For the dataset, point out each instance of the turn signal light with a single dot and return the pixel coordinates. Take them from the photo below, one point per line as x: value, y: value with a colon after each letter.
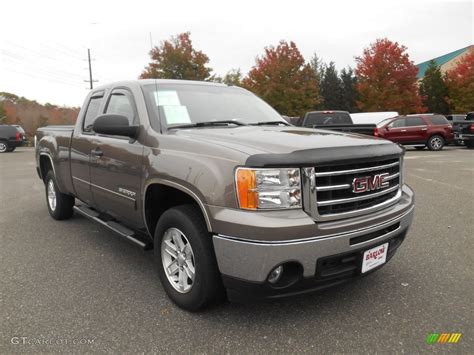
x: 246, y: 188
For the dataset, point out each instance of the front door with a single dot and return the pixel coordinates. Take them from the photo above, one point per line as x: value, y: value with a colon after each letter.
x: 397, y: 131
x: 81, y: 149
x: 116, y: 165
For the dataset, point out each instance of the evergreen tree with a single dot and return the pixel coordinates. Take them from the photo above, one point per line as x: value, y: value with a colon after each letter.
x: 433, y: 90
x: 318, y: 67
x: 349, y: 90
x: 331, y: 88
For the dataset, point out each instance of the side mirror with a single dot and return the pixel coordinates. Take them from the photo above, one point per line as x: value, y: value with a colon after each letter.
x: 115, y: 125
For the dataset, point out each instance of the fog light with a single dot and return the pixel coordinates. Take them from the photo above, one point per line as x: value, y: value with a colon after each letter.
x: 275, y: 274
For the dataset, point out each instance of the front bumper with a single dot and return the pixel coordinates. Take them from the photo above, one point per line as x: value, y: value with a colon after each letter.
x: 249, y: 262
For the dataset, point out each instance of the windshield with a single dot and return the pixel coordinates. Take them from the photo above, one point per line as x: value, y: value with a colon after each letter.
x: 384, y: 122
x: 185, y: 104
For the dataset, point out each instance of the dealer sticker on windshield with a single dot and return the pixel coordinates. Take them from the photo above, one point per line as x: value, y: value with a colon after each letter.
x: 374, y: 257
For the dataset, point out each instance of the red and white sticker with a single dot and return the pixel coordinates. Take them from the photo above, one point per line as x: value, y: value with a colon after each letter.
x: 374, y: 257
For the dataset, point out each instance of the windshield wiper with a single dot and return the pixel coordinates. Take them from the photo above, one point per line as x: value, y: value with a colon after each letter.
x: 270, y: 123
x: 209, y: 123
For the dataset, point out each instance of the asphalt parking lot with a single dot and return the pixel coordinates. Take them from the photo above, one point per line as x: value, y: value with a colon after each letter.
x: 75, y: 286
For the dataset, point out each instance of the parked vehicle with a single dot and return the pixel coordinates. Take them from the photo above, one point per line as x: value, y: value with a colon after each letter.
x: 229, y: 195
x: 455, y: 118
x: 372, y: 117
x: 464, y: 130
x: 336, y: 121
x: 424, y: 130
x: 10, y: 138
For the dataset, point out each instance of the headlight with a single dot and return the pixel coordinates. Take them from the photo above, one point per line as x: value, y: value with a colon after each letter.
x: 268, y: 188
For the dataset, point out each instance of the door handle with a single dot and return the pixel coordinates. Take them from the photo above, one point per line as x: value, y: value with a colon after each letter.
x: 97, y: 152
x: 403, y: 130
x: 424, y: 129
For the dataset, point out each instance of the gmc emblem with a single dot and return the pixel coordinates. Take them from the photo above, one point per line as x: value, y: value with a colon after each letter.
x: 369, y: 183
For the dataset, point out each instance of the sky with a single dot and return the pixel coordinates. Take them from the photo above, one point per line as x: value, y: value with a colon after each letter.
x: 43, y: 44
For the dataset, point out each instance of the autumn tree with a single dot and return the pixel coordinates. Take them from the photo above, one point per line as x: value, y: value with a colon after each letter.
x: 460, y: 81
x: 433, y: 90
x: 176, y: 58
x: 3, y: 114
x: 349, y: 90
x: 386, y: 79
x: 233, y: 77
x: 331, y: 88
x: 283, y: 79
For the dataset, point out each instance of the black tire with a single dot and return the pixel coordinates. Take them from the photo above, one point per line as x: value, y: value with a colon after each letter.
x: 63, y: 207
x: 4, y: 147
x: 207, y: 284
x: 469, y: 144
x: 435, y: 142
x: 420, y: 147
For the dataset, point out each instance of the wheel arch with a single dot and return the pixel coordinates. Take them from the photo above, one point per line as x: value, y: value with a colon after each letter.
x: 176, y: 194
x: 46, y: 164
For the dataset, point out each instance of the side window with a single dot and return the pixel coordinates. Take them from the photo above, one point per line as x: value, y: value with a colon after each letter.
x: 92, y: 112
x: 398, y: 123
x: 414, y: 121
x: 438, y: 120
x: 121, y: 103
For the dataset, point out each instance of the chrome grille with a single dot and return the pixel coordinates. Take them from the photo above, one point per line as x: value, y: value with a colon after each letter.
x: 332, y: 190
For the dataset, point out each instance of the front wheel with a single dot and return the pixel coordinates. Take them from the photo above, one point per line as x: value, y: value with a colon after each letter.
x: 60, y: 206
x: 185, y: 259
x: 435, y: 143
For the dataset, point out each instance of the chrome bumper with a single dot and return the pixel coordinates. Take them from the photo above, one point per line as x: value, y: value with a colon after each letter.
x: 253, y: 260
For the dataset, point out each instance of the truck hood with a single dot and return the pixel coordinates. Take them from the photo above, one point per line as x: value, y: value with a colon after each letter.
x: 275, y: 145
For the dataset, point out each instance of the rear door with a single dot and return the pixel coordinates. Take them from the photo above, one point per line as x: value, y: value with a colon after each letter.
x: 416, y: 130
x: 81, y: 148
x: 116, y: 164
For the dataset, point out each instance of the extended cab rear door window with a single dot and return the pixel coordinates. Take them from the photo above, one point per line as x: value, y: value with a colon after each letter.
x: 92, y: 111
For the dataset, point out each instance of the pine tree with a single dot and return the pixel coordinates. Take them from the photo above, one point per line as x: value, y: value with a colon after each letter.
x: 331, y: 88
x: 349, y: 90
x: 433, y: 90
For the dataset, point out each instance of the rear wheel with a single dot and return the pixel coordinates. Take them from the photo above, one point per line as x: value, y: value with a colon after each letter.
x: 60, y: 206
x: 185, y: 259
x: 3, y: 147
x: 435, y: 143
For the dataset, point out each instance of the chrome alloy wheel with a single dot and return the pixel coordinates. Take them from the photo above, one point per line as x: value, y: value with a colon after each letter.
x: 51, y: 195
x: 178, y: 260
x: 436, y: 143
x: 3, y: 147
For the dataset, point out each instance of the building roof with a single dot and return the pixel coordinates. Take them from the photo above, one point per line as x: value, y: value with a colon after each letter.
x: 440, y: 60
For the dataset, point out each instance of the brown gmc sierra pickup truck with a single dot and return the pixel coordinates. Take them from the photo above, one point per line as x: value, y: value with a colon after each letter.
x: 232, y: 199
